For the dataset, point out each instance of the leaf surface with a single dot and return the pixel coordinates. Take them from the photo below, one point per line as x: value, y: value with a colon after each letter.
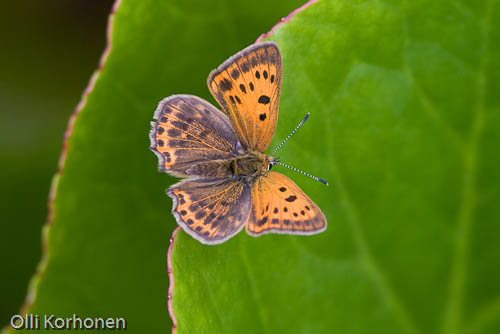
x: 404, y: 125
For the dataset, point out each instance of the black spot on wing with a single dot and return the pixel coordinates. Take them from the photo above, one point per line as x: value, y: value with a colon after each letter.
x: 264, y: 99
x: 262, y: 117
x: 245, y: 67
x: 282, y: 189
x: 184, y: 117
x: 272, y: 78
x: 225, y: 85
x: 262, y: 221
x: 257, y: 74
x: 172, y: 132
x: 237, y: 99
x: 200, y: 214
x: 265, y: 74
x: 175, y: 143
x: 251, y: 86
x: 180, y: 125
x: 243, y: 89
x: 263, y: 58
x: 235, y: 74
x: 291, y: 198
x: 209, y: 218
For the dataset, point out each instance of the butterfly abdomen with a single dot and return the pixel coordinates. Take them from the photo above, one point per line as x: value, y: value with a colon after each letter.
x: 214, y: 168
x: 248, y: 165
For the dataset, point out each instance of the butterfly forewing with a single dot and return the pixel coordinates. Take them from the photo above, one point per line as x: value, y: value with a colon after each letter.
x: 211, y: 210
x: 248, y: 86
x: 280, y: 206
x: 189, y: 130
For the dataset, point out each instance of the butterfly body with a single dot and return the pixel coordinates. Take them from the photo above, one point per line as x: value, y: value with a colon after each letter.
x: 246, y: 166
x: 228, y: 183
x: 251, y: 165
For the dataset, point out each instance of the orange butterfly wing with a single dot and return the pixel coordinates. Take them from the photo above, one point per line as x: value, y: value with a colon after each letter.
x: 280, y: 206
x: 248, y: 87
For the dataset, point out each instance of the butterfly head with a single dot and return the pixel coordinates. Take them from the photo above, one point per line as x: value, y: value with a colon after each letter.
x: 268, y: 162
x: 272, y: 161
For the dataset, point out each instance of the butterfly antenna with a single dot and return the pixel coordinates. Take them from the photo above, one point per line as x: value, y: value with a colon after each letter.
x: 291, y: 134
x: 298, y: 170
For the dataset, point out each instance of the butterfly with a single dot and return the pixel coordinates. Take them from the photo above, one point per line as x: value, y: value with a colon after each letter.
x: 227, y: 182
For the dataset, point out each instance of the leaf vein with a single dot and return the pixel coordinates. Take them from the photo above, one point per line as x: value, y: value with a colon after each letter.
x: 366, y: 258
x: 452, y: 318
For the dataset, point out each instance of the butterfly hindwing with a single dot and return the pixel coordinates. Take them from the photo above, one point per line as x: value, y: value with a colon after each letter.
x: 248, y: 86
x: 280, y: 206
x: 188, y: 130
x: 211, y: 210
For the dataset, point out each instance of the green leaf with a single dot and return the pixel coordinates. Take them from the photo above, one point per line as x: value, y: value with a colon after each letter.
x: 404, y: 101
x: 106, y: 245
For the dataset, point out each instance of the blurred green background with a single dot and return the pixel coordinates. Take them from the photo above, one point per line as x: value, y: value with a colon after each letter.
x: 49, y: 51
